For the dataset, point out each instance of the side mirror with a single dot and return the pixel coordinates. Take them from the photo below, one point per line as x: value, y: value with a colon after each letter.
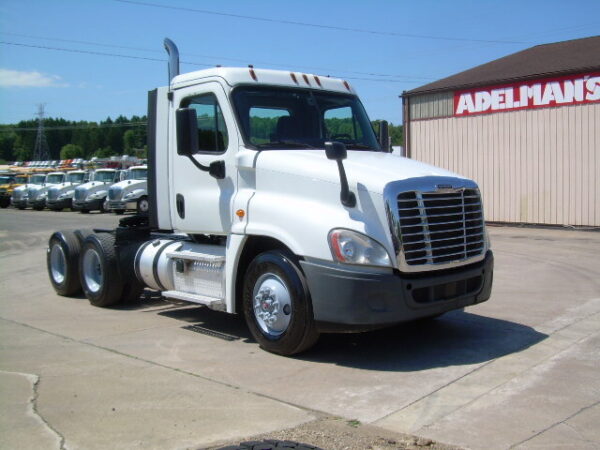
x: 335, y: 150
x: 187, y: 131
x: 384, y: 136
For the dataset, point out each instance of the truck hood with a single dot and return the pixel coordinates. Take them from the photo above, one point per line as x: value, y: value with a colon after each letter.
x: 93, y: 184
x: 130, y: 184
x: 373, y: 170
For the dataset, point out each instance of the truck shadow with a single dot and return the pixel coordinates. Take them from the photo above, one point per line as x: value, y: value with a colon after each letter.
x: 457, y: 338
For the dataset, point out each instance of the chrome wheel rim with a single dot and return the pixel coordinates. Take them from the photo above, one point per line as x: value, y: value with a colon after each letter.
x: 58, y: 264
x: 144, y: 206
x: 92, y: 270
x: 272, y: 305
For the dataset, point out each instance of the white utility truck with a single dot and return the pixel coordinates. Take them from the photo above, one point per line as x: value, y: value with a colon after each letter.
x: 131, y: 193
x: 270, y: 196
x: 60, y: 196
x: 91, y: 196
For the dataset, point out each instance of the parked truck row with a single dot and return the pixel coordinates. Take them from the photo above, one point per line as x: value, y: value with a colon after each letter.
x: 83, y: 190
x: 270, y: 196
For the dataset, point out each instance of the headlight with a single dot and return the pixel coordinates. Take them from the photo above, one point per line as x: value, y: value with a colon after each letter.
x: 351, y: 247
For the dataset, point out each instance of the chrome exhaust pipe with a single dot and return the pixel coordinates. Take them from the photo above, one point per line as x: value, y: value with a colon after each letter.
x: 173, y: 53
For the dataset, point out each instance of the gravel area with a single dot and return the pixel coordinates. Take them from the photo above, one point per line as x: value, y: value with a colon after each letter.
x: 334, y: 433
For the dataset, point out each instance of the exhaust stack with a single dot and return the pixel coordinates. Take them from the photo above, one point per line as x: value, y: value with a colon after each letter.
x: 173, y: 53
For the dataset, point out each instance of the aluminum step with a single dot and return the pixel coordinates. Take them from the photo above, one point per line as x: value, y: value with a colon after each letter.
x: 195, y: 256
x: 217, y: 304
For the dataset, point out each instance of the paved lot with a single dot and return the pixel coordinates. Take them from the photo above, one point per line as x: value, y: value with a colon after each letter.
x: 521, y: 370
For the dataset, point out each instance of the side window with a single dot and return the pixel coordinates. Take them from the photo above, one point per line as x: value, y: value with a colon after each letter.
x: 212, y: 132
x: 340, y: 124
x: 264, y: 124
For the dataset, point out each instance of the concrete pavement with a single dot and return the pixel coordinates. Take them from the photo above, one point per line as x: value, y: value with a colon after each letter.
x: 520, y: 370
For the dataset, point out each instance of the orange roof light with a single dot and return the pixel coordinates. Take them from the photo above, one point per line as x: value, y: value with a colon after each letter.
x: 346, y: 85
x: 305, y: 79
x: 318, y: 81
x: 252, y: 73
x: 293, y: 75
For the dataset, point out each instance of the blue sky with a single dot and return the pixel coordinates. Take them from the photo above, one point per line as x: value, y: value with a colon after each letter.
x: 416, y: 42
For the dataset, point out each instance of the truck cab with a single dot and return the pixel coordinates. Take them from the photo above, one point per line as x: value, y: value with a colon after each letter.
x: 37, y: 194
x: 130, y: 193
x: 60, y: 196
x: 91, y: 196
x: 271, y: 196
x: 20, y: 194
x: 9, y: 181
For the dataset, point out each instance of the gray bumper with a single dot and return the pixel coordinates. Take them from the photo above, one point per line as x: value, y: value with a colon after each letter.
x: 62, y: 203
x: 92, y: 205
x: 115, y: 204
x: 19, y: 203
x: 347, y: 298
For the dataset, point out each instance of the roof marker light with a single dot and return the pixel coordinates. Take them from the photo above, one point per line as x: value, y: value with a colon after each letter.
x: 252, y: 73
x: 305, y: 79
x: 346, y: 85
x: 317, y: 80
x: 293, y: 75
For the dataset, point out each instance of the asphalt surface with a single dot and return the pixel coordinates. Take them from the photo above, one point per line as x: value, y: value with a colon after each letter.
x: 521, y: 370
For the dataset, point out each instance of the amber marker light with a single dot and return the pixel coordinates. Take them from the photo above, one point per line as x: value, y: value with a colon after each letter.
x: 240, y: 213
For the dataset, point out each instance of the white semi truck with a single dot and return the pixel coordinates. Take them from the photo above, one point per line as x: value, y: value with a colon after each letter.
x: 91, y: 196
x: 131, y: 193
x: 270, y: 196
x: 37, y: 194
x: 60, y: 196
x: 19, y: 196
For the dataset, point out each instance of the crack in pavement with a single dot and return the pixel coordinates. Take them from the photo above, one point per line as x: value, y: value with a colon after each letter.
x: 585, y: 408
x: 33, y: 402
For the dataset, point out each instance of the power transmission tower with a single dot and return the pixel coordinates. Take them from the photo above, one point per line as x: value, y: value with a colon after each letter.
x: 41, y: 151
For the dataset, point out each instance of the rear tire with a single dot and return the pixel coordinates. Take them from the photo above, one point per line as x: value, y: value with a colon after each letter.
x: 62, y: 261
x: 277, y: 304
x: 99, y: 270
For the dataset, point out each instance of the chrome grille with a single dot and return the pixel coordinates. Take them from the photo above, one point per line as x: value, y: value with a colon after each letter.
x: 440, y: 227
x: 19, y: 194
x: 53, y: 193
x: 79, y: 195
x: 114, y: 193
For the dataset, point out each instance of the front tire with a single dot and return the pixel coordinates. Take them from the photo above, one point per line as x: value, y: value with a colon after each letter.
x: 62, y: 261
x: 142, y: 205
x: 277, y: 304
x: 119, y: 212
x: 98, y: 270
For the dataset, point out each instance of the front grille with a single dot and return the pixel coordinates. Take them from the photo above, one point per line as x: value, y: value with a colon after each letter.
x: 53, y: 193
x: 79, y: 195
x: 114, y: 193
x: 440, y: 227
x: 18, y: 195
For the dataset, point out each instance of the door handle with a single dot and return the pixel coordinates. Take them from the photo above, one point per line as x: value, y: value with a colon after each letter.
x: 180, y: 203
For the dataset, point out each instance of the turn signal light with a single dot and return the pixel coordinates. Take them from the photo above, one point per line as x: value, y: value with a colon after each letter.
x: 240, y: 213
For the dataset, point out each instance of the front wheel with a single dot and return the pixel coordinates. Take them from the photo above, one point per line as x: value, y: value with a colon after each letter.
x: 142, y: 205
x: 277, y: 304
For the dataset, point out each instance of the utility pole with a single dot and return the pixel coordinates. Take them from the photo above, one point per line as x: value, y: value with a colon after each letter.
x: 41, y: 151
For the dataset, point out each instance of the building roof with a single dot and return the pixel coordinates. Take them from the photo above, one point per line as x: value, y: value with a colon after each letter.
x: 545, y: 60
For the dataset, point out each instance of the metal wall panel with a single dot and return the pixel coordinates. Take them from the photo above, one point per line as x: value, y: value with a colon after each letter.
x: 533, y: 166
x: 432, y: 105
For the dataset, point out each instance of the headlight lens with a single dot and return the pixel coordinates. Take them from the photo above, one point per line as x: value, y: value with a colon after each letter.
x: 350, y: 247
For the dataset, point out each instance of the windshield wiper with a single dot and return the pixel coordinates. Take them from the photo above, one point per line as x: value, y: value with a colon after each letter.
x: 288, y: 143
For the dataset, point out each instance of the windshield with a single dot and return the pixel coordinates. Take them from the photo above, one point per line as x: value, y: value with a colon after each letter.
x: 299, y: 118
x: 138, y: 174
x: 75, y: 177
x: 5, y: 180
x: 21, y: 179
x: 104, y: 176
x: 55, y: 178
x: 38, y: 179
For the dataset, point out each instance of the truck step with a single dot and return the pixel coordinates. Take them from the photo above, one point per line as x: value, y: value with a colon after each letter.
x: 195, y: 256
x: 213, y: 303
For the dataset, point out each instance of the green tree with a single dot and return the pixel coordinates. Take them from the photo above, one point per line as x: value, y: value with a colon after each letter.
x: 105, y: 152
x: 129, y: 141
x: 71, y: 151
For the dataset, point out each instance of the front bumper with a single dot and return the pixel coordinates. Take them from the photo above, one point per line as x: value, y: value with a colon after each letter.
x: 348, y: 298
x: 21, y: 203
x: 119, y: 204
x: 37, y: 203
x: 58, y: 204
x: 90, y: 205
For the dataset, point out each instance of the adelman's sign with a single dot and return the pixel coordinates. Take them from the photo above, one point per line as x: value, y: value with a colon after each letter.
x: 567, y: 90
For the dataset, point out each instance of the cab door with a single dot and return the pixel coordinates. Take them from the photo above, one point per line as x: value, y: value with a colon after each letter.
x: 202, y: 203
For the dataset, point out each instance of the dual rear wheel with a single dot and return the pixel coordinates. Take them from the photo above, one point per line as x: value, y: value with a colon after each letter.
x: 86, y: 261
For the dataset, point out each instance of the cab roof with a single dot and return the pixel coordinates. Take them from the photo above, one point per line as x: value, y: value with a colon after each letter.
x: 235, y: 76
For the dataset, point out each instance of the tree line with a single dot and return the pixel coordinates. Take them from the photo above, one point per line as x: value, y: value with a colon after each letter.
x: 81, y: 139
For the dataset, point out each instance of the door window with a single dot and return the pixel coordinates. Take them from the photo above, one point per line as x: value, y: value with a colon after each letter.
x: 212, y: 132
